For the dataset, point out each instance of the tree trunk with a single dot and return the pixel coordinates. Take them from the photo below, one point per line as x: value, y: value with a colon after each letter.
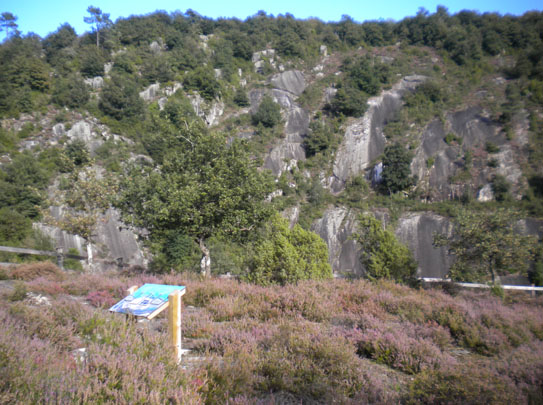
x: 492, y: 272
x: 205, y: 263
x: 98, y: 38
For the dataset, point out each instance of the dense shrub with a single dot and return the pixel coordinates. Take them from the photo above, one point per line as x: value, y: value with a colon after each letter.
x: 382, y: 255
x: 268, y: 113
x: 120, y: 99
x: 70, y: 92
x: 288, y: 255
x: 32, y: 271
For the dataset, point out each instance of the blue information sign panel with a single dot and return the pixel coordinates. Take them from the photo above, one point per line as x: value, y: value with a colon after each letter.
x: 147, y: 300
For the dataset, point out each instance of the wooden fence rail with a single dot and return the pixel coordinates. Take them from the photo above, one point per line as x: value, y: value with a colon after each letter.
x: 58, y: 254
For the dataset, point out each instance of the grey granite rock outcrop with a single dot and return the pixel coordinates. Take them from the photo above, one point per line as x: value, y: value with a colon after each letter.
x: 475, y: 130
x: 364, y: 140
x: 209, y: 112
x: 114, y: 240
x: 151, y: 92
x: 335, y: 228
x: 83, y: 131
x: 289, y: 150
x: 292, y: 81
x: 416, y: 230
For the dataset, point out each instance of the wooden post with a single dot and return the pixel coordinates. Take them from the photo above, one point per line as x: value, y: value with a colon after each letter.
x: 174, y: 319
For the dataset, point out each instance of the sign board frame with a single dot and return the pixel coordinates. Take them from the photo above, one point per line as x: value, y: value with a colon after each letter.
x: 147, y: 301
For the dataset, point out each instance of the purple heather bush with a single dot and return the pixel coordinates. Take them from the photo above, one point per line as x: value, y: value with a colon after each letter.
x: 315, y: 342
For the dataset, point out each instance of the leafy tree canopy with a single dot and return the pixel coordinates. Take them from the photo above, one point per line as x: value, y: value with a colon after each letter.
x: 268, y: 113
x: 382, y: 255
x: 486, y: 243
x: 396, y: 171
x: 288, y: 255
x: 207, y: 188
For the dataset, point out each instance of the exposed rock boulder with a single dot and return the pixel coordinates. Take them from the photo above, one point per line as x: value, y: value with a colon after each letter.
x: 364, y: 140
x: 259, y: 62
x: 151, y: 92
x: 335, y: 228
x: 289, y: 150
x: 114, y: 240
x: 268, y: 53
x: 209, y: 112
x: 485, y: 194
x: 475, y: 130
x: 95, y: 83
x: 171, y: 90
x: 58, y: 130
x: 417, y: 230
x: 157, y: 46
x: 82, y: 131
x: 292, y: 81
x: 323, y: 50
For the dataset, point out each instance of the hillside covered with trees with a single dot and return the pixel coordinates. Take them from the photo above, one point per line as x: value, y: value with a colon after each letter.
x: 281, y: 152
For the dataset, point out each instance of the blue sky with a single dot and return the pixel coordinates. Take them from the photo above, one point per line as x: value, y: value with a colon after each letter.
x: 43, y: 17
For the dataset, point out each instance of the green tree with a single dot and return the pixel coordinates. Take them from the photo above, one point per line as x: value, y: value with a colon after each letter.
x: 268, y: 113
x: 202, y: 79
x: 206, y: 188
x: 288, y: 255
x: 500, y: 188
x: 485, y: 243
x: 99, y: 19
x: 70, y: 92
x: 382, y: 255
x: 120, y: 99
x: 319, y: 138
x: 88, y: 196
x: 7, y: 22
x: 240, y: 97
x: 396, y: 171
x: 92, y: 61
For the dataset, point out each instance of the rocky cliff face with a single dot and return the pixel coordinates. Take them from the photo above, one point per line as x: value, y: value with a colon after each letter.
x: 364, y: 140
x: 288, y: 151
x: 335, y: 228
x: 474, y: 130
x: 113, y: 240
x: 416, y: 230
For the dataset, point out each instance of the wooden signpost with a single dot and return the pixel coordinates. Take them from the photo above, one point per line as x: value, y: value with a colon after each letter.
x: 150, y: 300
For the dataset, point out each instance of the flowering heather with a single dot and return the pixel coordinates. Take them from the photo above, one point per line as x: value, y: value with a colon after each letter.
x: 315, y: 342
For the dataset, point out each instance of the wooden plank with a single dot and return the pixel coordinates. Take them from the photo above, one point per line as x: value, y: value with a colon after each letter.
x: 10, y: 249
x: 26, y: 251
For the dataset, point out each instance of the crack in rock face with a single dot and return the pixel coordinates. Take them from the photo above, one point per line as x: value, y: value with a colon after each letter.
x: 364, y: 140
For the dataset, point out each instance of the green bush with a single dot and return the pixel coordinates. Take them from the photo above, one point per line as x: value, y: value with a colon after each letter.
x: 382, y: 255
x: 202, y: 79
x: 491, y: 147
x: 240, y: 97
x: 120, y: 99
x: 18, y: 293
x: 71, y: 92
x: 451, y: 138
x: 268, y: 113
x: 288, y: 255
x: 500, y: 188
x: 396, y: 174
